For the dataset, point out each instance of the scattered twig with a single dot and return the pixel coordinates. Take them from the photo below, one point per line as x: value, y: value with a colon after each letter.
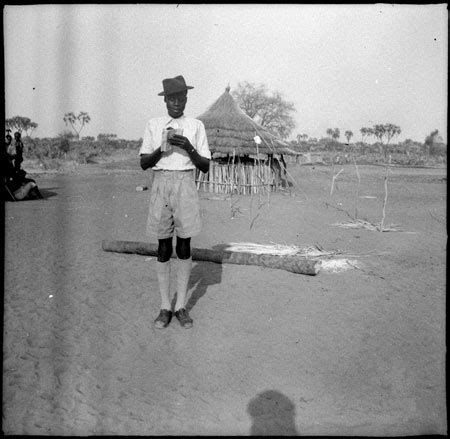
x: 370, y: 273
x: 261, y: 204
x: 333, y: 180
x: 358, y: 189
x: 253, y: 220
x: 387, y: 171
x: 234, y: 211
x: 361, y: 224
x: 357, y: 223
x: 341, y: 210
x: 436, y: 218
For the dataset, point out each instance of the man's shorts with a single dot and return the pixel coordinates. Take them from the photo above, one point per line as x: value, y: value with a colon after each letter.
x: 174, y: 205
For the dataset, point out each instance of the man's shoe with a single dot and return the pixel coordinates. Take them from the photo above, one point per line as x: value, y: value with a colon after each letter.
x: 163, y: 319
x: 183, y: 316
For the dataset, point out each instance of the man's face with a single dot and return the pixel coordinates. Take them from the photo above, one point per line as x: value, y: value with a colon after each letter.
x: 176, y: 103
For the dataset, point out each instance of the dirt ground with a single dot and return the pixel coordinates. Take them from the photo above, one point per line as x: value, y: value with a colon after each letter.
x: 354, y: 352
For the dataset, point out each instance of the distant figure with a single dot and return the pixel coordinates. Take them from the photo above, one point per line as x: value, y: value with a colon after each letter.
x: 17, y: 155
x: 273, y: 414
x: 9, y: 152
x: 15, y: 185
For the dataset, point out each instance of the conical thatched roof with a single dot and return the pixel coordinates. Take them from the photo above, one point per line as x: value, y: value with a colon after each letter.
x: 228, y: 127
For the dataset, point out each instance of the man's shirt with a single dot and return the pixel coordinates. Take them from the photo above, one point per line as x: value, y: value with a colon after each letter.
x: 177, y: 159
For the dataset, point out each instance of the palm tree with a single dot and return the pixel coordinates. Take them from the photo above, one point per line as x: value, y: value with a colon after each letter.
x: 77, y: 122
x: 366, y: 132
x: 336, y: 134
x: 348, y: 134
x: 387, y: 130
x: 391, y: 131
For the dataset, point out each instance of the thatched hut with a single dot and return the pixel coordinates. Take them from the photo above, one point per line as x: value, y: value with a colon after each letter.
x: 246, y: 157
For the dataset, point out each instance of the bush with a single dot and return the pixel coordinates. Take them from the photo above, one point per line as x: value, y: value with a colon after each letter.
x: 50, y: 151
x: 64, y: 145
x: 438, y: 149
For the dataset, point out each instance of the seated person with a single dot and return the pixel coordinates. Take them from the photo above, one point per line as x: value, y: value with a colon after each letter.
x: 15, y: 184
x: 23, y: 187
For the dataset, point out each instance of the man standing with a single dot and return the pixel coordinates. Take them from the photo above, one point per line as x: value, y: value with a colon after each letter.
x: 17, y: 155
x: 173, y: 146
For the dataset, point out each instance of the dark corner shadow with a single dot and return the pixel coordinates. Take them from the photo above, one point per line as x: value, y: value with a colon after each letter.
x: 203, y: 275
x: 273, y: 414
x: 44, y: 194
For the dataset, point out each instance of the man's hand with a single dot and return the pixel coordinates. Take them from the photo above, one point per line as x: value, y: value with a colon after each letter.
x: 182, y: 142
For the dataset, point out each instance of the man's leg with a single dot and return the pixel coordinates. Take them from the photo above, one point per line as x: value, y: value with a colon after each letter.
x: 183, y: 250
x: 165, y: 250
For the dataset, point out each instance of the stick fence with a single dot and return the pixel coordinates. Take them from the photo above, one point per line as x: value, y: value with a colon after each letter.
x: 237, y: 178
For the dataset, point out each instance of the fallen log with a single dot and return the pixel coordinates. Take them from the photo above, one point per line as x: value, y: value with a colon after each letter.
x: 292, y: 263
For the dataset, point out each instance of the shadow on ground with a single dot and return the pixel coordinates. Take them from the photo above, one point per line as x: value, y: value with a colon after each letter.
x: 273, y: 414
x: 203, y: 275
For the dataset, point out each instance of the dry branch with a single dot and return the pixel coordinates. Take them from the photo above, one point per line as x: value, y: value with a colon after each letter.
x: 358, y: 188
x: 357, y: 223
x: 333, y: 180
x: 387, y: 171
x: 294, y: 264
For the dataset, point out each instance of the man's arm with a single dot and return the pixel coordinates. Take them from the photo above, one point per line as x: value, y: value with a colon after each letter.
x: 150, y: 160
x: 198, y: 160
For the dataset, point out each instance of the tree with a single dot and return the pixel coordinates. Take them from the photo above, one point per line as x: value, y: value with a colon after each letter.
x: 302, y: 137
x: 378, y: 132
x: 67, y: 135
x: 77, y: 123
x: 32, y: 127
x: 391, y: 130
x: 21, y: 124
x: 334, y: 133
x: 348, y: 135
x: 105, y: 136
x: 269, y: 110
x: 365, y: 133
x: 431, y: 140
x: 387, y: 130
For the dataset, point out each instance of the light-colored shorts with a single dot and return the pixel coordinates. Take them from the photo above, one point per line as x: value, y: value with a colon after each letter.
x: 174, y: 205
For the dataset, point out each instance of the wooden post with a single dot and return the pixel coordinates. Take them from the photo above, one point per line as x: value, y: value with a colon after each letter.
x: 294, y: 264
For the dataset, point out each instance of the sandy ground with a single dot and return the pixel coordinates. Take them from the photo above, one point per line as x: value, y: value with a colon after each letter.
x: 356, y: 352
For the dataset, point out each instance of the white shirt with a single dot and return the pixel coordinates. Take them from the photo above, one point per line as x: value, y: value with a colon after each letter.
x: 177, y: 159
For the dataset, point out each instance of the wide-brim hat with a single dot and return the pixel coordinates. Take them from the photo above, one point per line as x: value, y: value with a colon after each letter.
x: 174, y: 85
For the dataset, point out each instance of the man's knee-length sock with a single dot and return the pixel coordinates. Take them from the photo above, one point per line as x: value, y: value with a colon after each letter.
x: 184, y: 267
x: 163, y: 272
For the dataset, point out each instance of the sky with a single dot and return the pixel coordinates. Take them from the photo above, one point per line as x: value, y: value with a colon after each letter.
x: 342, y: 66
